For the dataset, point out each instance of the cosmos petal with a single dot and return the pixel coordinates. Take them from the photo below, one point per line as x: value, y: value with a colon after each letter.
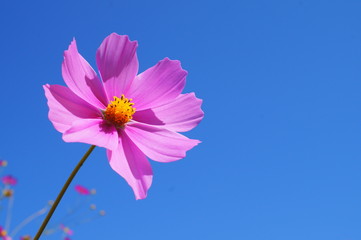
x: 157, y: 85
x: 158, y: 143
x: 93, y: 131
x: 65, y: 107
x: 117, y: 63
x: 180, y: 114
x: 80, y: 77
x: 129, y: 162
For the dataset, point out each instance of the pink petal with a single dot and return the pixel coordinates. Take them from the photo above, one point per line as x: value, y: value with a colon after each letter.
x: 66, y: 229
x: 65, y: 107
x: 180, y: 114
x: 157, y: 85
x: 129, y: 162
x: 3, y: 163
x: 117, y: 63
x: 9, y: 180
x: 93, y: 131
x: 158, y: 143
x: 81, y: 78
x: 82, y: 190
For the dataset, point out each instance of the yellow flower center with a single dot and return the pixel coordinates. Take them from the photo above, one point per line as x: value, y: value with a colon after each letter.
x: 3, y: 233
x: 119, y: 111
x: 8, y: 192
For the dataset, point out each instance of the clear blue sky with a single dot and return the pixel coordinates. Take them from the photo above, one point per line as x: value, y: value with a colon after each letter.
x: 280, y: 157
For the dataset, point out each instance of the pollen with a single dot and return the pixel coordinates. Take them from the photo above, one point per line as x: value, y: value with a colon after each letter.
x: 8, y: 192
x: 3, y: 233
x: 120, y: 111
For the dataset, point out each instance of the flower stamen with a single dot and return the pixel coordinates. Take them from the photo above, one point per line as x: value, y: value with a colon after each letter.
x: 120, y: 111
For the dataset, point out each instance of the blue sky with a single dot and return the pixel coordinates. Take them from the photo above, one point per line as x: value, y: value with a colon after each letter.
x: 281, y: 137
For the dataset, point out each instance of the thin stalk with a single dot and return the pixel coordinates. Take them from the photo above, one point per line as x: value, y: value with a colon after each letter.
x: 9, y: 213
x: 61, y: 193
x: 29, y: 219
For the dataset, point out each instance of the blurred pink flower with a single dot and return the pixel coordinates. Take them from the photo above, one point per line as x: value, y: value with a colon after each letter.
x: 3, y: 163
x: 4, y: 234
x: 9, y: 180
x: 66, y: 230
x: 82, y: 190
x: 132, y: 116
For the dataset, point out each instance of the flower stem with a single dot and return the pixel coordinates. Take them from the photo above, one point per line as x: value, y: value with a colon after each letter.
x: 61, y: 193
x: 28, y: 220
x: 9, y: 213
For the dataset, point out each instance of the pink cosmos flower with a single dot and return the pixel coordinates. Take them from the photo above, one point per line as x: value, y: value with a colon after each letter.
x: 82, y: 190
x: 9, y: 180
x: 132, y: 116
x: 4, y: 234
x: 3, y: 163
x: 66, y: 229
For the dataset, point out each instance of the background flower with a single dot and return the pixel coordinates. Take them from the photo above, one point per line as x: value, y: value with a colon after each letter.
x: 82, y: 190
x: 9, y: 180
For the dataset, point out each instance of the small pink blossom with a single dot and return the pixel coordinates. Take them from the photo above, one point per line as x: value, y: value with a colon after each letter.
x: 9, y: 180
x: 3, y: 232
x: 82, y: 190
x: 133, y: 116
x: 66, y: 229
x: 3, y: 163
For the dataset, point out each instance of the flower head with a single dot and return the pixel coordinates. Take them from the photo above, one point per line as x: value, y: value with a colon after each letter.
x: 3, y: 232
x: 26, y: 237
x: 82, y: 190
x: 66, y: 230
x: 8, y: 192
x: 132, y: 116
x: 3, y: 163
x: 101, y: 212
x: 9, y: 180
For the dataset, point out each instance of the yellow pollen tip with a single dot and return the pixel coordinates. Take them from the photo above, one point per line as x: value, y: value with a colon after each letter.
x: 3, y: 233
x: 119, y: 111
x: 8, y: 192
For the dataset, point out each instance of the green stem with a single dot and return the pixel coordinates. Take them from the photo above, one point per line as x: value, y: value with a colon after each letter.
x: 60, y: 195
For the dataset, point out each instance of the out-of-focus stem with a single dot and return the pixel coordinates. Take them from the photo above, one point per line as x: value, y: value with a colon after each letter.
x: 29, y: 219
x: 9, y: 213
